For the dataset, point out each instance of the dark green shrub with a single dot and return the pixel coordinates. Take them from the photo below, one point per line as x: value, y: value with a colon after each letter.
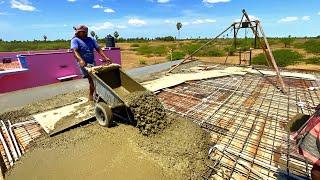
x: 313, y: 60
x: 283, y: 57
x: 286, y: 41
x: 190, y: 48
x: 168, y: 38
x: 177, y: 55
x: 160, y: 50
x: 271, y: 41
x: 312, y: 46
x: 229, y: 50
x: 245, y: 43
x: 144, y: 50
x: 148, y: 50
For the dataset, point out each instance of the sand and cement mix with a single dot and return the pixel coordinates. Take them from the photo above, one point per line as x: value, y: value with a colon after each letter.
x: 178, y: 151
x: 148, y: 112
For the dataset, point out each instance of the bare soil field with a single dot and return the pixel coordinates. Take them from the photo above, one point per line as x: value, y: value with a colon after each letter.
x: 130, y: 58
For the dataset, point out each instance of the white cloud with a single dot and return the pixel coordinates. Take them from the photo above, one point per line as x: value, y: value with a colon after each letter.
x: 169, y: 21
x: 288, y: 19
x: 23, y: 5
x: 3, y: 13
x: 215, y: 1
x: 97, y: 6
x: 122, y: 27
x: 65, y: 25
x: 72, y: 0
x: 106, y: 25
x: 163, y: 1
x: 185, y: 23
x: 108, y: 10
x: 210, y: 20
x: 136, y: 22
x: 305, y: 18
x: 198, y: 21
x: 319, y: 13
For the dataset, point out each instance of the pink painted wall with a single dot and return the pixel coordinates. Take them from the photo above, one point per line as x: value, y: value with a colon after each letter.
x: 45, y: 68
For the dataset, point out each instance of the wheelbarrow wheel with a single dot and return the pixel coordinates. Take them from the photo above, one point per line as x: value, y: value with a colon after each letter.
x: 103, y: 114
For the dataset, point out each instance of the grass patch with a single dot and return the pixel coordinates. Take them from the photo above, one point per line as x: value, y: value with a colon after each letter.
x: 206, y: 51
x: 190, y: 48
x: 232, y: 50
x: 312, y: 46
x: 177, y: 55
x: 283, y: 57
x: 142, y: 61
x: 33, y: 46
x: 313, y: 60
x: 152, y: 50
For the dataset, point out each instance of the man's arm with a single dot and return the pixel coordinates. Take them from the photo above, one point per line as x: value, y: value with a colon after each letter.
x: 78, y: 57
x: 100, y: 51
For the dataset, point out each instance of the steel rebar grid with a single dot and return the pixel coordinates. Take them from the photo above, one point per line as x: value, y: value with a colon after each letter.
x: 246, y: 116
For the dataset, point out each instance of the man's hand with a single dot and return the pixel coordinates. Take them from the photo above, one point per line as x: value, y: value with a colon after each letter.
x: 82, y: 63
x: 106, y: 61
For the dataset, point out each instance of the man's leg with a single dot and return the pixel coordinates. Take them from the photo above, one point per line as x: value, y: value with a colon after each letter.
x: 91, y: 87
x: 315, y: 172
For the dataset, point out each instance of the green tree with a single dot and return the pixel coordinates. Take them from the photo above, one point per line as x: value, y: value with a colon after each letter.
x: 287, y: 41
x: 1, y: 40
x: 93, y: 34
x: 116, y: 34
x: 97, y: 37
x: 45, y: 37
x: 179, y: 26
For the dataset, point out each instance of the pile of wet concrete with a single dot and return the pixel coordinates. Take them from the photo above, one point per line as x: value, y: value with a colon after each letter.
x: 148, y: 112
x: 177, y: 149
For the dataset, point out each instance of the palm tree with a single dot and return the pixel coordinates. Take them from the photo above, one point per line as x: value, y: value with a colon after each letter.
x: 45, y: 37
x: 179, y: 26
x: 93, y: 34
x: 116, y: 34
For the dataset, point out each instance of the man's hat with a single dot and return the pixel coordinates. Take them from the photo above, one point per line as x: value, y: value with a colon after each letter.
x: 81, y: 28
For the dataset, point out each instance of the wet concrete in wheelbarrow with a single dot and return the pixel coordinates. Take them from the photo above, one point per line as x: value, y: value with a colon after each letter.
x: 178, y: 151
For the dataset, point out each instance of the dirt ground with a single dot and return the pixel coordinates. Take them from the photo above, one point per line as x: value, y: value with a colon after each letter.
x: 121, y: 152
x: 92, y: 151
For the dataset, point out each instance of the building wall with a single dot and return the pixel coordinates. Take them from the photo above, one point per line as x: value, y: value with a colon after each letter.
x: 45, y: 67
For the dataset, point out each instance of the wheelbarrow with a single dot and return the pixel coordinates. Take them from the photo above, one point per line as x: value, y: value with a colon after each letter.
x: 111, y: 86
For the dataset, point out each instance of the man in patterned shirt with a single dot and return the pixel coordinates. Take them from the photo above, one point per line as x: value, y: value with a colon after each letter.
x: 83, y: 47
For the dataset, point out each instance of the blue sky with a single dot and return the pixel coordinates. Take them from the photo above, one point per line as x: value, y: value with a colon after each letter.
x: 31, y: 19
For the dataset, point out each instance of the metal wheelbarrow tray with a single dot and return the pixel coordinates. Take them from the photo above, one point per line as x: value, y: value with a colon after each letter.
x: 111, y: 85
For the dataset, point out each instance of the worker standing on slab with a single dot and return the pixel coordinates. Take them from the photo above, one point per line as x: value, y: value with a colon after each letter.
x: 308, y: 141
x: 83, y: 47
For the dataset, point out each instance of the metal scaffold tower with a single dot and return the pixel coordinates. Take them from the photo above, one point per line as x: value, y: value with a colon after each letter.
x: 264, y: 45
